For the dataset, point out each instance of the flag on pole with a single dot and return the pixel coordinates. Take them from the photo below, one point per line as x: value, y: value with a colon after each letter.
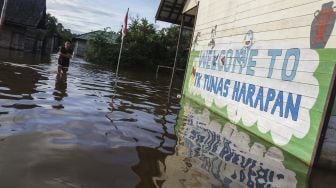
x: 123, y: 33
x: 124, y: 29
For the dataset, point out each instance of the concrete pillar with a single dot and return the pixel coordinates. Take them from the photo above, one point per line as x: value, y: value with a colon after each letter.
x: 3, y: 13
x: 75, y: 49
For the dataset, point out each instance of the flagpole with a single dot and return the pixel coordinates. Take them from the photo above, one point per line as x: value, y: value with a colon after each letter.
x: 121, y: 47
x: 123, y: 34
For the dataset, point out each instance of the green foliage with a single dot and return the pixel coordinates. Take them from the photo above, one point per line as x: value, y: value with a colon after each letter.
x: 51, y: 25
x: 139, y: 45
x: 143, y: 46
x: 55, y: 28
x: 101, y: 48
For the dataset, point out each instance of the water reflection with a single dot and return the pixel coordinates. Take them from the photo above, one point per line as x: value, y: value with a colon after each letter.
x: 214, y: 153
x: 17, y: 86
x: 25, y: 80
x: 65, y: 131
x: 60, y: 86
x: 62, y: 135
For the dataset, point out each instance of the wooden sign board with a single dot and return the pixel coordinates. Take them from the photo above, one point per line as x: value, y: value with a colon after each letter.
x: 266, y: 66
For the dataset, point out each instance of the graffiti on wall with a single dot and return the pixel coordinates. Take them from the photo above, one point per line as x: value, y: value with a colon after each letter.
x: 195, y: 42
x: 212, y: 42
x: 322, y: 25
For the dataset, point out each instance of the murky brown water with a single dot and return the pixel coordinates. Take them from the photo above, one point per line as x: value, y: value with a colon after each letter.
x: 65, y: 131
x: 56, y: 131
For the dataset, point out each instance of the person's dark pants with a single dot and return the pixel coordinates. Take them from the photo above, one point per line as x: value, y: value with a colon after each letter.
x: 63, y: 66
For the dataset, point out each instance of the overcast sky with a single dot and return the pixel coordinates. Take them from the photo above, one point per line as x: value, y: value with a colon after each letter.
x: 83, y: 16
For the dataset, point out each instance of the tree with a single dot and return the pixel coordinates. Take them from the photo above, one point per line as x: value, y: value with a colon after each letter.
x: 54, y: 27
x: 101, y: 47
x: 51, y: 25
x: 139, y: 43
x: 144, y: 46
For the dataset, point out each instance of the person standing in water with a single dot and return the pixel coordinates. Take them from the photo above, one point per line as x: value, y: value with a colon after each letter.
x: 64, y: 57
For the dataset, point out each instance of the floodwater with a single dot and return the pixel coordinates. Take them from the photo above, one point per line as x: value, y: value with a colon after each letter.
x: 65, y: 131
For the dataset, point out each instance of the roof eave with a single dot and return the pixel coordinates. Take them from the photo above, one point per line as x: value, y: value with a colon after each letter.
x: 158, y: 11
x: 178, y: 9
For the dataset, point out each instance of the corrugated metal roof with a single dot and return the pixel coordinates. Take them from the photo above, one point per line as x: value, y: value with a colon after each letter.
x: 171, y: 11
x: 110, y: 36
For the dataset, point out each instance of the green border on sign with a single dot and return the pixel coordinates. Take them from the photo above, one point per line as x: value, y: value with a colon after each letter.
x: 301, y: 148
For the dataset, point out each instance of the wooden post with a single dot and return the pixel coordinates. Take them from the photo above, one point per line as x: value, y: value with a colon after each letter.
x: 190, y: 49
x: 176, y: 55
x: 3, y: 13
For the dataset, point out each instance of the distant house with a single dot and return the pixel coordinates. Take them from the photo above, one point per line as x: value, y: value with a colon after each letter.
x: 24, y: 25
x: 82, y: 40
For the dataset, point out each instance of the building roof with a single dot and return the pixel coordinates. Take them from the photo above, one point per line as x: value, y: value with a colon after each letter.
x: 171, y: 11
x: 110, y: 36
x: 25, y: 12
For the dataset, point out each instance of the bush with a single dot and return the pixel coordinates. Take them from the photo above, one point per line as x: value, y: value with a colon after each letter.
x: 143, y: 46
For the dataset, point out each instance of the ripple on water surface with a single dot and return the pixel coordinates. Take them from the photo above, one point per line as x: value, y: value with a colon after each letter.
x: 66, y: 129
